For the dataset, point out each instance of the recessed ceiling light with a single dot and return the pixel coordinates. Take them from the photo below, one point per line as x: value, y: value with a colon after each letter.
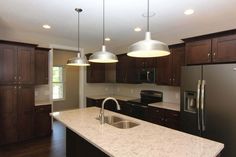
x: 137, y: 29
x: 108, y: 39
x: 188, y: 11
x: 46, y: 26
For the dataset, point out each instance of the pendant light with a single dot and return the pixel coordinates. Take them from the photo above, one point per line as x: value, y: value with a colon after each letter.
x: 81, y: 59
x: 148, y: 48
x: 103, y: 56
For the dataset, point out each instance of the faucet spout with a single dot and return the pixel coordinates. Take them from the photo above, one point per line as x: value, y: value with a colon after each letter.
x: 101, y: 115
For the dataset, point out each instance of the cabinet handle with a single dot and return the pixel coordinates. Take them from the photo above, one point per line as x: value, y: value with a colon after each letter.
x: 19, y: 87
x: 214, y: 54
x: 15, y: 87
x: 15, y: 77
x: 209, y: 54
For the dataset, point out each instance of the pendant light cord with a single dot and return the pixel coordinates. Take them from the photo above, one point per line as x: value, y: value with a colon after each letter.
x: 78, y: 10
x: 148, y: 29
x: 103, y: 22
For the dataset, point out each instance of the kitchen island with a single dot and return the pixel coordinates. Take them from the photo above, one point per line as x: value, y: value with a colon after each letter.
x: 144, y: 140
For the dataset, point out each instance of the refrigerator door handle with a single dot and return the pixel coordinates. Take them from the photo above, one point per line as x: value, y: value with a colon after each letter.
x: 203, y: 104
x: 198, y: 104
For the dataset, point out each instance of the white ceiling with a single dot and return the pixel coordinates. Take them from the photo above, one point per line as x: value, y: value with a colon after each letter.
x: 169, y: 25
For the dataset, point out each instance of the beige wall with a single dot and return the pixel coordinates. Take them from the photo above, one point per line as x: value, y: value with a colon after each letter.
x: 71, y: 81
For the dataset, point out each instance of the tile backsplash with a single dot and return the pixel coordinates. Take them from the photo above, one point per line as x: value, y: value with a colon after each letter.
x: 170, y: 94
x: 42, y: 93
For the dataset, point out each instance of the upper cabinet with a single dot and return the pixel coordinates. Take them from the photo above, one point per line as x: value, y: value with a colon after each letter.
x: 96, y: 72
x: 126, y: 69
x: 215, y: 48
x: 224, y: 49
x: 16, y: 63
x: 198, y: 52
x: 169, y: 67
x: 41, y: 66
x: 145, y: 63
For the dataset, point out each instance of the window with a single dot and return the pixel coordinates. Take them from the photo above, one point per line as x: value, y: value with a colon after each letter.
x: 58, y: 83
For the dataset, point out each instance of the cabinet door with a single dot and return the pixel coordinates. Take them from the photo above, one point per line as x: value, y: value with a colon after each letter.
x: 43, y: 121
x: 224, y: 49
x: 95, y: 72
x: 121, y: 71
x: 164, y: 70
x: 177, y: 62
x: 198, y: 52
x: 26, y: 65
x: 41, y: 67
x: 172, y: 119
x: 155, y: 115
x: 8, y: 114
x: 8, y: 64
x: 25, y: 112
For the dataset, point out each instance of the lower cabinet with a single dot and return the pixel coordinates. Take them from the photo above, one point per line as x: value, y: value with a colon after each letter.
x: 164, y: 117
x: 16, y: 113
x: 76, y: 146
x: 43, y: 121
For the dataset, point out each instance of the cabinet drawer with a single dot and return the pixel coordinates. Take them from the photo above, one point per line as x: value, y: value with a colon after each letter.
x: 172, y: 114
x: 44, y: 108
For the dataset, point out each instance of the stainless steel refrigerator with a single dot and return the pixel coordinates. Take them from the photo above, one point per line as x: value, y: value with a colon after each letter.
x: 208, y: 103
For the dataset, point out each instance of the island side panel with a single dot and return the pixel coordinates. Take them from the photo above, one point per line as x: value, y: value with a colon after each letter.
x: 76, y: 146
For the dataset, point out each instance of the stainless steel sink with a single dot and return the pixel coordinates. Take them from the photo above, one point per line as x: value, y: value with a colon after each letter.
x: 119, y: 122
x: 125, y: 124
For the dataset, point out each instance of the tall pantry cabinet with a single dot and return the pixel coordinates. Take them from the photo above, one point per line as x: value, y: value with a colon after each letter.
x: 17, y: 73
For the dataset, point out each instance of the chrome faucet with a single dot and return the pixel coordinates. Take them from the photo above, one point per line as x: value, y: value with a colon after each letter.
x: 101, y: 115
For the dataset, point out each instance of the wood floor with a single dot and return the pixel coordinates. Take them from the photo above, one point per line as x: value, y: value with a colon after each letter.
x: 53, y: 146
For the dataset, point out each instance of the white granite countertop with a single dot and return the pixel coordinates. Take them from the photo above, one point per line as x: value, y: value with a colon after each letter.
x: 41, y: 103
x: 145, y: 140
x: 165, y: 105
x: 118, y: 97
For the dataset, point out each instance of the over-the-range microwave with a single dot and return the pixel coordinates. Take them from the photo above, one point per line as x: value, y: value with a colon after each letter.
x: 147, y: 75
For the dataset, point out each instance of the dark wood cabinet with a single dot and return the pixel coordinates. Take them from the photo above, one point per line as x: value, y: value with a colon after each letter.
x: 41, y: 66
x: 77, y: 146
x: 126, y: 71
x: 224, y: 49
x: 164, y: 70
x: 16, y: 63
x: 95, y: 72
x: 164, y: 117
x: 25, y: 104
x: 25, y: 65
x: 16, y: 114
x: 213, y: 48
x: 169, y: 67
x: 8, y: 61
x: 178, y: 60
x: 8, y: 114
x: 198, y: 52
x: 43, y: 121
x: 145, y: 63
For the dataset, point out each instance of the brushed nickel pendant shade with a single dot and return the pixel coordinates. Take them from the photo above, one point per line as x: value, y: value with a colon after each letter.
x: 148, y: 48
x: 103, y: 56
x: 81, y: 59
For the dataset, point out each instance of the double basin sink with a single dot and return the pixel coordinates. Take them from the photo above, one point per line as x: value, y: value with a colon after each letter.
x: 119, y: 122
